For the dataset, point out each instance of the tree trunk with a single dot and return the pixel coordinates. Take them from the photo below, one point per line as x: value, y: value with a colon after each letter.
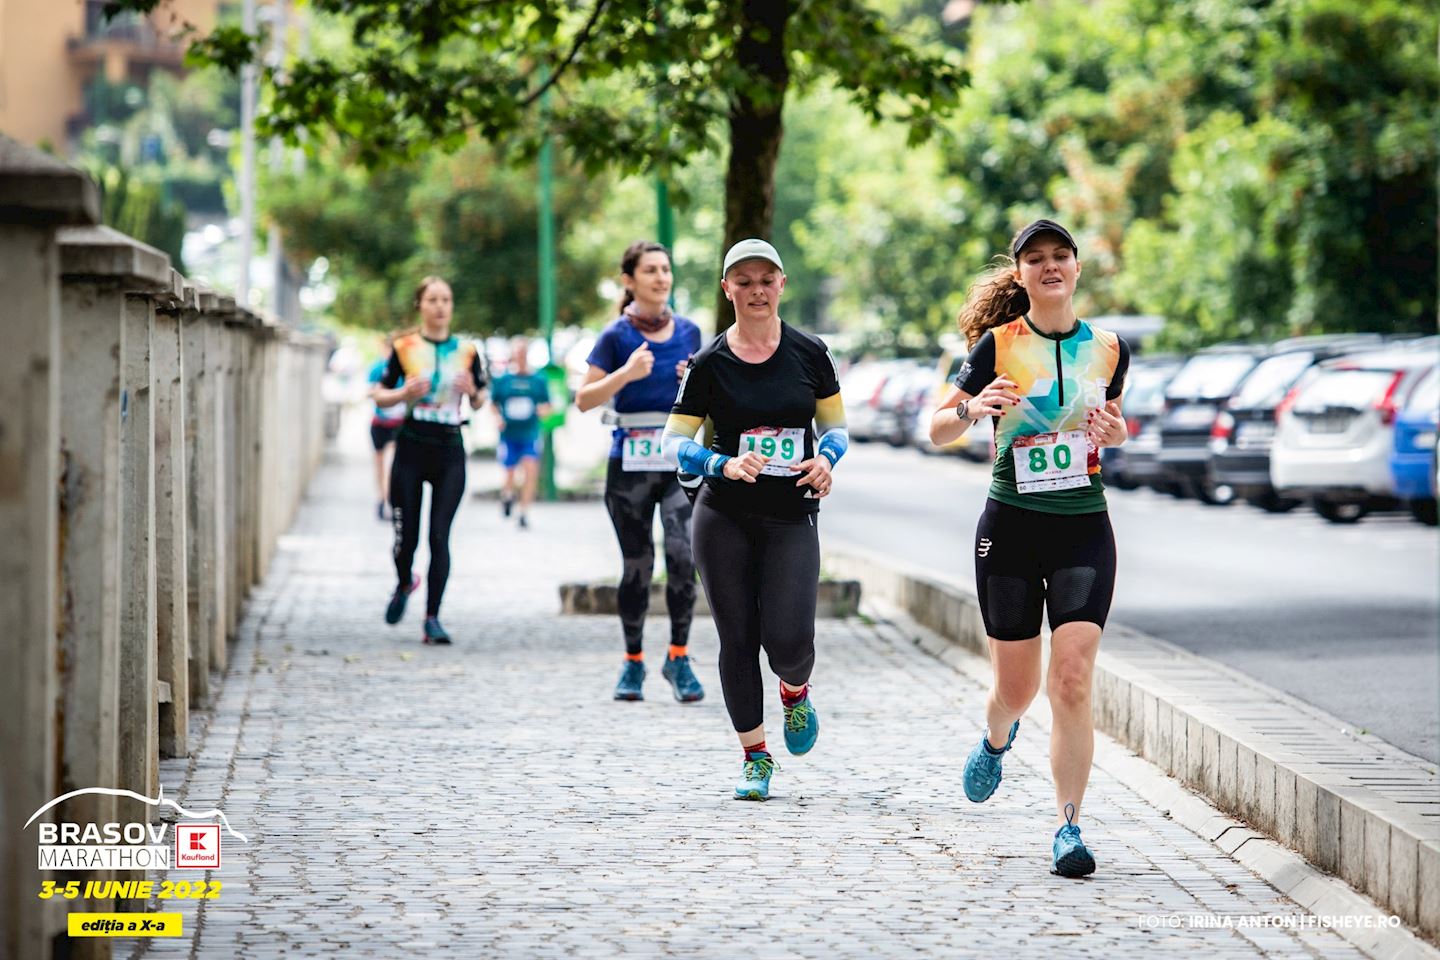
x: 755, y: 131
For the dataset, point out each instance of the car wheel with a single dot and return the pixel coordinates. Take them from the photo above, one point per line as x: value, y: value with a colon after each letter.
x: 1424, y: 511
x: 1343, y: 512
x: 1215, y: 494
x: 1272, y: 502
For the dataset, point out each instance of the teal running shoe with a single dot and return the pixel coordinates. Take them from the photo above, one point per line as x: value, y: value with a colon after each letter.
x: 802, y: 725
x: 982, y: 769
x: 755, y: 779
x: 682, y: 679
x: 434, y: 633
x: 632, y: 678
x: 1072, y: 859
x: 396, y: 608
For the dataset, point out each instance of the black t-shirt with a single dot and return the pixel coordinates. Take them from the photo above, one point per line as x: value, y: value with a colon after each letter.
x: 771, y: 407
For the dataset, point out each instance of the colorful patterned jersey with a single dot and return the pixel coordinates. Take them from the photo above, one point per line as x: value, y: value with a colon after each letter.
x: 1060, y: 379
x: 437, y: 416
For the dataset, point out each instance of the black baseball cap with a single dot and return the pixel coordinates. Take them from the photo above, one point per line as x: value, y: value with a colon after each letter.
x: 1033, y: 230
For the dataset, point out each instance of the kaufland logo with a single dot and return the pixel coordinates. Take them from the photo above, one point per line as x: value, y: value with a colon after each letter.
x: 197, y: 846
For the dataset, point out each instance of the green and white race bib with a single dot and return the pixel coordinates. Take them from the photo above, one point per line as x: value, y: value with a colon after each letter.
x: 785, y: 446
x: 1050, y: 461
x: 640, y: 451
x: 519, y: 408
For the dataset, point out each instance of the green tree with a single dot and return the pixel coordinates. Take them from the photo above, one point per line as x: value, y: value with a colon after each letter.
x: 632, y: 90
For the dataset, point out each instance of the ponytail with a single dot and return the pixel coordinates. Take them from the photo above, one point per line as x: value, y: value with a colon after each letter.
x: 995, y: 298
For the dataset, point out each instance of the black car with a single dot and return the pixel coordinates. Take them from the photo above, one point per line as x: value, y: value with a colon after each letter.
x: 1193, y: 401
x: 1242, y: 433
x: 1137, y: 462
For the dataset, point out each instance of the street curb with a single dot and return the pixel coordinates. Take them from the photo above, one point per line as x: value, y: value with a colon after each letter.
x: 1352, y: 805
x: 836, y: 599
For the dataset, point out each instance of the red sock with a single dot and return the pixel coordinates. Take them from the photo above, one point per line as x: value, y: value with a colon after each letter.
x: 757, y: 748
x: 638, y: 657
x: 789, y: 698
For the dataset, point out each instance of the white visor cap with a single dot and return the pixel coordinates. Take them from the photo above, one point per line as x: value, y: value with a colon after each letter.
x: 752, y: 249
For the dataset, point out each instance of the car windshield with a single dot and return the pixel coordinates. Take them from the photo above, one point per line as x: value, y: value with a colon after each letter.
x: 1267, y: 383
x: 1209, y: 377
x: 1426, y: 397
x: 1145, y: 390
x: 1348, y: 389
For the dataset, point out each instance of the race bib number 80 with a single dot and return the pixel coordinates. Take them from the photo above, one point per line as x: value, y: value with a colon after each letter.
x: 785, y: 446
x: 1050, y: 461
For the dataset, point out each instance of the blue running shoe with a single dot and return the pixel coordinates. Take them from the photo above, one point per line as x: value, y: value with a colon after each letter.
x: 1071, y: 858
x: 802, y: 725
x: 982, y: 769
x: 396, y: 609
x: 434, y: 633
x: 682, y: 679
x: 755, y: 780
x: 632, y: 677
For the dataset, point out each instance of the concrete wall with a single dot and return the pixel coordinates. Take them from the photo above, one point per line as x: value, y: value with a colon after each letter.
x: 157, y: 442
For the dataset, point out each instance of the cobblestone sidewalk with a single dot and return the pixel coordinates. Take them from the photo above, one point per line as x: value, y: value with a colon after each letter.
x: 491, y: 800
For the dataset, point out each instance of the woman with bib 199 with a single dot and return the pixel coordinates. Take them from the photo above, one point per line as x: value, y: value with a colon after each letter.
x: 1052, y: 382
x: 763, y: 383
x: 636, y: 365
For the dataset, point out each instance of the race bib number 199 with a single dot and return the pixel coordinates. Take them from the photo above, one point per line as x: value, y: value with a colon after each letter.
x: 785, y: 446
x: 1050, y: 461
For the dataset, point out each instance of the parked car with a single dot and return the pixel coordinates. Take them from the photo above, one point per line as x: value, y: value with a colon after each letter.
x: 1334, y: 439
x: 973, y: 444
x: 1137, y: 462
x: 860, y: 389
x: 1412, y: 462
x: 1193, y: 399
x: 905, y: 392
x: 1242, y: 433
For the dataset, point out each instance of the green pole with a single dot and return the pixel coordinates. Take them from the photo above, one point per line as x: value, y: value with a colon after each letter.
x: 547, y: 300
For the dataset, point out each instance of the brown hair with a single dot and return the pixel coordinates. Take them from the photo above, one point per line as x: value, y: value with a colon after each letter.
x: 995, y: 298
x: 631, y: 260
x: 425, y: 285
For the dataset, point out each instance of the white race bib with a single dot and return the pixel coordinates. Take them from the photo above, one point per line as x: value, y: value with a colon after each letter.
x: 640, y: 451
x: 785, y: 446
x: 1051, y: 461
x: 435, y: 413
x: 519, y: 408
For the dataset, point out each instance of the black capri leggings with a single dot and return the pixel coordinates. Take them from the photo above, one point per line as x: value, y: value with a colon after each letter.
x: 631, y: 499
x: 443, y: 467
x: 760, y: 576
x: 1026, y: 560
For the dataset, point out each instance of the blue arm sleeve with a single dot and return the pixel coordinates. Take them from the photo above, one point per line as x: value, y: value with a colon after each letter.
x: 833, y: 444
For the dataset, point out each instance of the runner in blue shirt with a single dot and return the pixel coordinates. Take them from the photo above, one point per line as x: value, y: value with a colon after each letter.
x: 521, y: 399
x: 636, y: 367
x: 384, y: 424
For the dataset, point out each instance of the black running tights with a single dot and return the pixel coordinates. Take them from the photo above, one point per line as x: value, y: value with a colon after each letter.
x: 443, y: 467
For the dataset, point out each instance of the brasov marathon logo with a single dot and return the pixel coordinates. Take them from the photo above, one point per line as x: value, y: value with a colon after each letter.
x: 67, y: 845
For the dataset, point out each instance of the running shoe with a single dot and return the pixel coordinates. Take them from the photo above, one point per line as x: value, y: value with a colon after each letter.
x: 682, y: 679
x: 434, y: 633
x: 506, y: 503
x: 380, y: 511
x: 982, y: 769
x: 1072, y: 859
x: 802, y: 725
x: 755, y: 777
x: 632, y: 678
x: 396, y: 609
x: 524, y: 522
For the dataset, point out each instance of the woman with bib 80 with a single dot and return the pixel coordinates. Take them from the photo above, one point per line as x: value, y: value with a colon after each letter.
x: 763, y: 383
x: 1053, y: 384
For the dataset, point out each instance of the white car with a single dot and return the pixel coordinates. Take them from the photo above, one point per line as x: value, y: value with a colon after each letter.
x: 1335, y: 431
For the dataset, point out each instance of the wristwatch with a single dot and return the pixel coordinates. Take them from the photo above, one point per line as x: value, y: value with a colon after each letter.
x: 965, y: 410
